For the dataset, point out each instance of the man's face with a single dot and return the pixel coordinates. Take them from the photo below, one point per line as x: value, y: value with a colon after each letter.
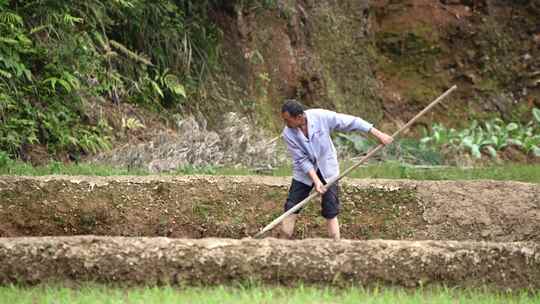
x: 292, y: 121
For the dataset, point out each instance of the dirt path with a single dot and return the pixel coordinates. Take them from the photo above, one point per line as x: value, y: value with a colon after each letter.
x: 236, y: 207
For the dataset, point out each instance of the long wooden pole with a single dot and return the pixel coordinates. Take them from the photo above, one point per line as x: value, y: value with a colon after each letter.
x: 362, y: 160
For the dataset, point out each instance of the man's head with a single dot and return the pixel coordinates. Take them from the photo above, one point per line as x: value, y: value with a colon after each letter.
x: 292, y: 113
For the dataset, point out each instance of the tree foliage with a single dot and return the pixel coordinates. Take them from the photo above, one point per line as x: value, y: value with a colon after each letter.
x: 56, y: 56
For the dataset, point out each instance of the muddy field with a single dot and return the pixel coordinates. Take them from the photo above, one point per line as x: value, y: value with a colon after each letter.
x: 457, y: 233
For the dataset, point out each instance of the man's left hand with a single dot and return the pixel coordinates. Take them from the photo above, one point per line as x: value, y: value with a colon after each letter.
x: 386, y: 139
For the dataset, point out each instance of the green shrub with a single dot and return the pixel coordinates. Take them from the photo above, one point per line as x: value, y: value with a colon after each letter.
x: 404, y: 150
x: 5, y: 160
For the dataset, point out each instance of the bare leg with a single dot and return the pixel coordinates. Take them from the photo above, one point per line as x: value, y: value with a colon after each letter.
x: 288, y: 225
x: 333, y: 228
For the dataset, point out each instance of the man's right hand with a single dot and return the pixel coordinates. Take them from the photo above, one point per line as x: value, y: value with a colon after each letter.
x: 319, y: 187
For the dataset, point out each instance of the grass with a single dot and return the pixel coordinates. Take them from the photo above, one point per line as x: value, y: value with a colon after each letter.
x: 386, y: 170
x: 22, y: 168
x: 393, y: 170
x: 91, y: 294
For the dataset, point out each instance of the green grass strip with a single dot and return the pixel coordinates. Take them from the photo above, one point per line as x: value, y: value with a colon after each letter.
x: 93, y: 294
x: 385, y: 170
x: 391, y: 170
x: 394, y: 170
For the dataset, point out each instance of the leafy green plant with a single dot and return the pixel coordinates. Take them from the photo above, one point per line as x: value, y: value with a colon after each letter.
x: 166, y: 86
x: 68, y: 81
x: 491, y: 137
x: 411, y: 151
x: 17, y: 124
x: 91, y: 141
x: 4, y: 159
x: 536, y: 115
x: 14, y: 42
x: 404, y: 150
x: 357, y: 142
x: 132, y: 124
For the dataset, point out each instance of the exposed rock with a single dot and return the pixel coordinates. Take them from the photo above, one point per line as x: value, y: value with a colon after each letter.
x: 236, y: 142
x: 214, y: 261
x: 470, y: 77
x: 503, y: 103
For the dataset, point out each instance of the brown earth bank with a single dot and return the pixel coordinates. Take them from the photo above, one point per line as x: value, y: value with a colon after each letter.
x: 151, y: 261
x: 383, y: 60
x: 236, y: 207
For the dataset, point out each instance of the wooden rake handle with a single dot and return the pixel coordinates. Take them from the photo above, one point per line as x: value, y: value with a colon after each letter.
x: 361, y: 161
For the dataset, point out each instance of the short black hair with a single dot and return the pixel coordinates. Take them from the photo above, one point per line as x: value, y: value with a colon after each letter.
x: 293, y: 107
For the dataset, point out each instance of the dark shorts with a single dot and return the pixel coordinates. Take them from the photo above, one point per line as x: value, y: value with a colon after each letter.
x: 330, y: 200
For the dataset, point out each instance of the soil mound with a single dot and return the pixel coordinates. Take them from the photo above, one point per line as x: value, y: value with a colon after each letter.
x: 212, y: 261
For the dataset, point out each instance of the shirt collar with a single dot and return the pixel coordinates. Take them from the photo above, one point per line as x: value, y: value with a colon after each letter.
x: 311, y: 127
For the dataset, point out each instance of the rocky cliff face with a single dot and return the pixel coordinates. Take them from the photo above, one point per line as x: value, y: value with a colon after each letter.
x: 384, y: 60
x: 316, y: 51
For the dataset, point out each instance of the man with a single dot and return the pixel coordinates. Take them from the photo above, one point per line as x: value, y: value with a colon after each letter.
x: 307, y: 135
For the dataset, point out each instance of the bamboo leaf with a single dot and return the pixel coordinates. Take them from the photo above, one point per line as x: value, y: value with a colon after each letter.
x: 179, y: 89
x: 157, y: 88
x: 11, y: 18
x: 28, y: 74
x: 65, y: 84
x: 52, y: 81
x: 71, y: 20
x: 5, y: 74
x: 10, y: 41
x: 39, y: 28
x: 536, y: 114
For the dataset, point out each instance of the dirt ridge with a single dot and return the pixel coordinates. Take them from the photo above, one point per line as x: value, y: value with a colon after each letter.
x: 236, y: 207
x: 214, y: 261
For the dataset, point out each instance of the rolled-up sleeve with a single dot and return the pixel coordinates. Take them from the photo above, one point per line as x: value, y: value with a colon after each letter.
x: 346, y: 123
x: 300, y: 160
